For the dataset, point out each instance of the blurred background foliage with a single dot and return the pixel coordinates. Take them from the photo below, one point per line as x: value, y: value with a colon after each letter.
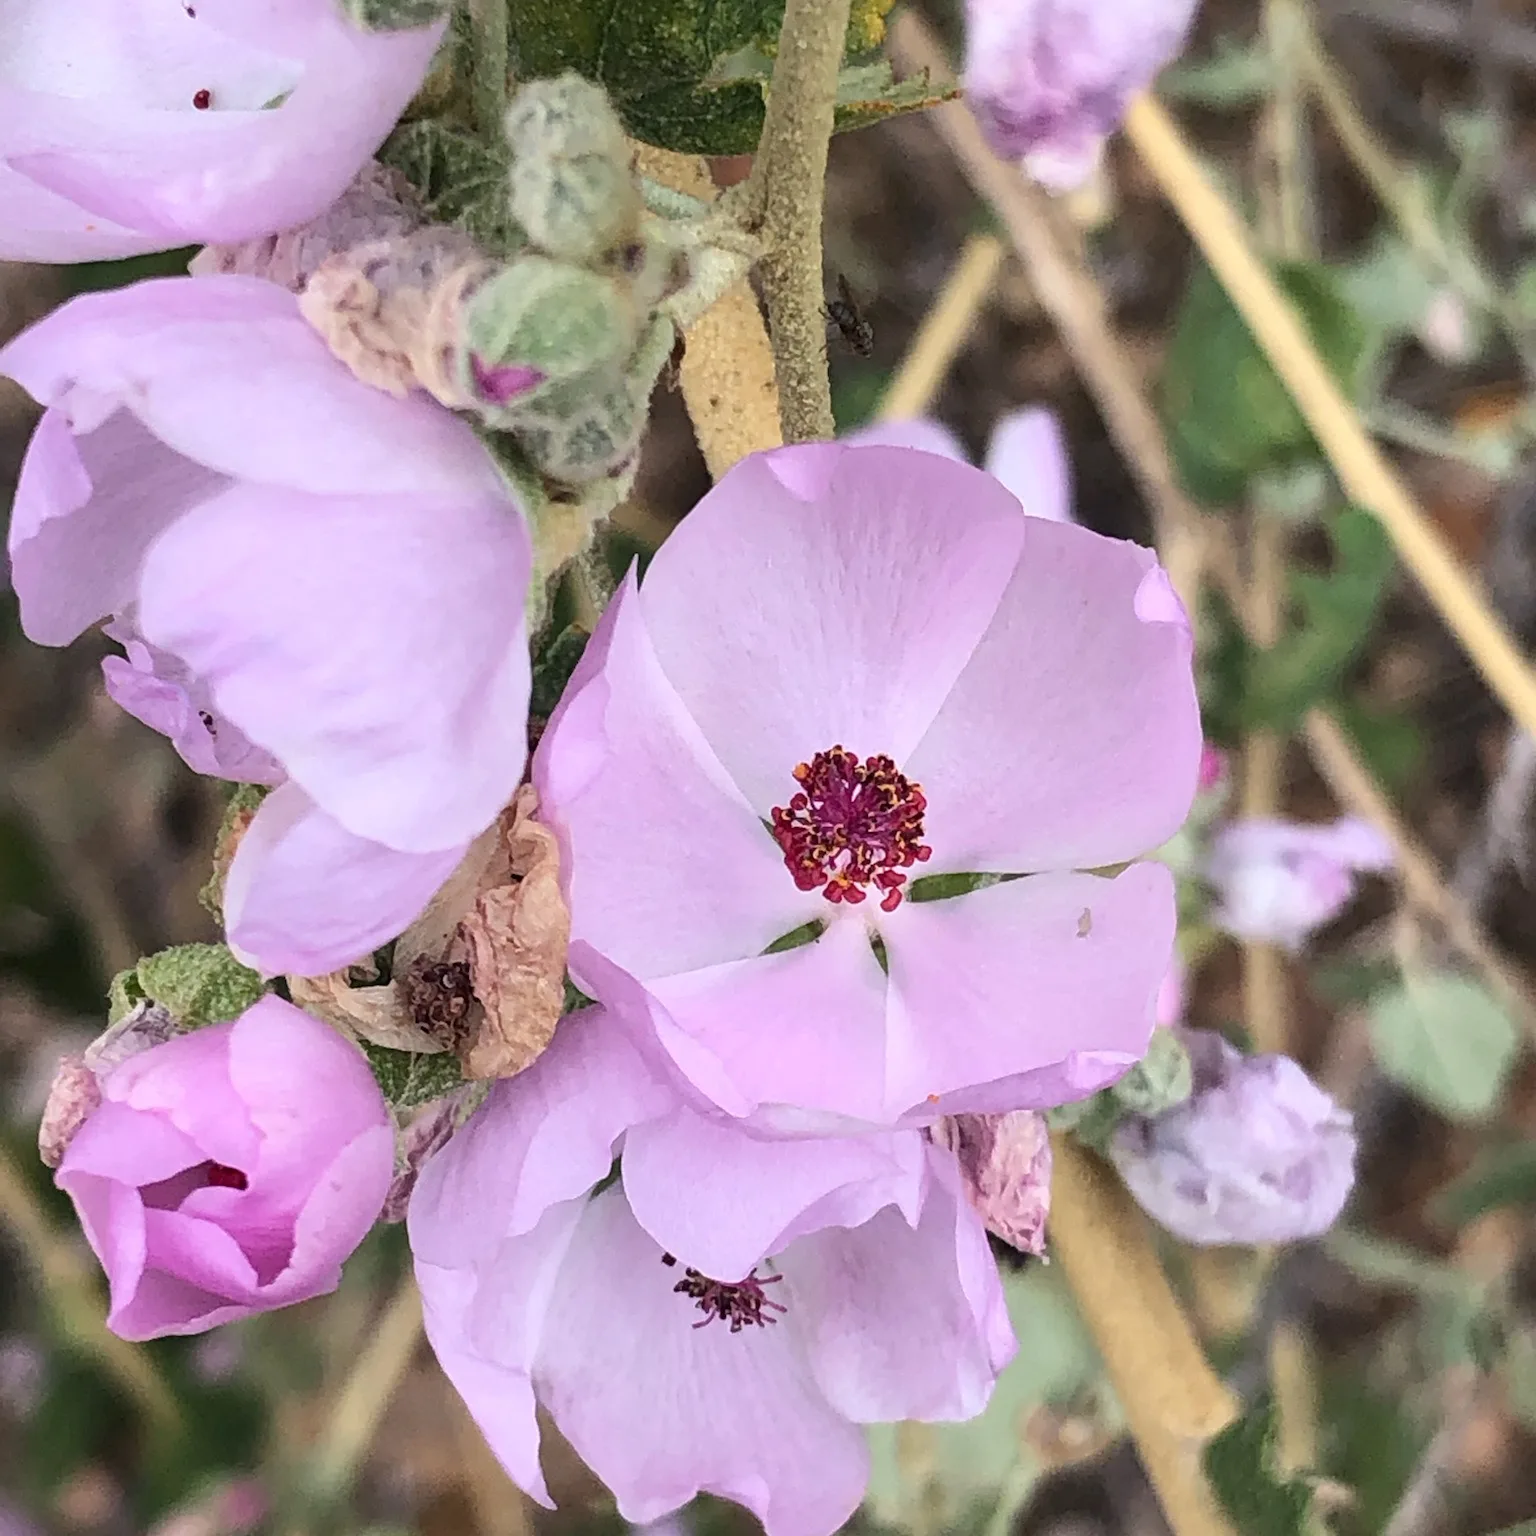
x: 1401, y: 1350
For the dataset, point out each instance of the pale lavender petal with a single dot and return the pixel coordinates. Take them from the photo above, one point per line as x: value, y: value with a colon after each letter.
x: 374, y: 644
x: 542, y: 1137
x: 1016, y: 979
x: 1028, y: 453
x: 665, y: 865
x: 661, y: 1410
x: 1072, y: 739
x: 903, y: 1323
x: 722, y: 1200
x: 789, y: 625
x: 303, y: 896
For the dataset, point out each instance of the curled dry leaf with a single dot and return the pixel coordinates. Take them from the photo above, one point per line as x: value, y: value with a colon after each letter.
x: 389, y: 309
x: 515, y: 938
x: 501, y: 918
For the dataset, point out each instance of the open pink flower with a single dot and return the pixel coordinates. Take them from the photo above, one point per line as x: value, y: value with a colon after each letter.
x: 722, y: 1317
x: 140, y: 125
x: 850, y: 667
x: 230, y: 1171
x: 319, y: 587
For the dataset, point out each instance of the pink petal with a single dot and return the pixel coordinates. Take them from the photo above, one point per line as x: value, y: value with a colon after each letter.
x: 790, y: 625
x: 661, y: 1410
x: 723, y: 1200
x: 1029, y: 455
x: 805, y: 1028
x: 86, y: 510
x: 108, y: 155
x: 225, y: 371
x: 199, y: 1252
x: 903, y: 1324
x: 120, y: 1144
x: 165, y: 1306
x: 375, y: 645
x: 1016, y: 980
x: 1072, y: 739
x: 542, y: 1137
x: 186, y: 1082
x: 112, y: 1217
x: 484, y: 1326
x: 920, y: 432
x: 304, y: 896
x: 666, y: 867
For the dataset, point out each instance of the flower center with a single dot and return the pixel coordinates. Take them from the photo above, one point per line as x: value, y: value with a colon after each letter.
x: 438, y: 996
x: 741, y: 1305
x: 852, y: 825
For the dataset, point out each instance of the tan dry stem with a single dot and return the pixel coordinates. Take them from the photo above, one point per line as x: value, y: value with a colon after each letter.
x: 791, y: 172
x: 1174, y: 1403
x: 727, y: 375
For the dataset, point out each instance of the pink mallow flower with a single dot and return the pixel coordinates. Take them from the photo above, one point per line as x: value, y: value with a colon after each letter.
x: 230, y: 1171
x: 1279, y: 881
x: 141, y: 125
x: 1049, y: 80
x: 722, y: 1316
x: 319, y: 587
x: 847, y: 668
x: 1257, y: 1153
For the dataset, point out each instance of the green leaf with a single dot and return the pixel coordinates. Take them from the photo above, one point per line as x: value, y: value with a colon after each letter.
x: 1229, y: 416
x: 950, y: 1473
x: 1501, y: 1176
x: 462, y: 179
x: 1257, y: 1497
x: 410, y: 1078
x: 198, y: 984
x: 552, y: 671
x: 1335, y: 614
x: 691, y: 75
x: 1447, y: 1041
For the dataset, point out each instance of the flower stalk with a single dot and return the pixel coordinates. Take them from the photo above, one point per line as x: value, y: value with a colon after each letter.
x: 788, y: 182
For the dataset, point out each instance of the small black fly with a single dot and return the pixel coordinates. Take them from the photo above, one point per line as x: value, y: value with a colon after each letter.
x: 845, y: 320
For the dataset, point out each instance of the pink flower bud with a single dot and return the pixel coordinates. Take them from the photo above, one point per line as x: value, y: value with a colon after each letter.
x: 1005, y: 1168
x: 229, y: 1171
x: 1049, y: 80
x: 1256, y: 1154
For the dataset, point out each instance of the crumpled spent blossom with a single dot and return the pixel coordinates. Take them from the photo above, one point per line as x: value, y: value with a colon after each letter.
x: 848, y: 668
x: 1049, y: 80
x: 229, y: 1171
x: 1005, y: 1170
x: 318, y: 588
x: 142, y: 125
x: 722, y: 1316
x: 1257, y: 1154
x: 1027, y: 452
x: 1278, y: 881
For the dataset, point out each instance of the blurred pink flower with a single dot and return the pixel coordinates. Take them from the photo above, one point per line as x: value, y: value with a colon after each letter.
x: 849, y: 666
x: 1049, y: 80
x: 1026, y: 451
x: 1257, y: 1153
x: 318, y: 587
x: 1278, y: 881
x: 141, y: 125
x: 229, y: 1171
x: 858, y: 1287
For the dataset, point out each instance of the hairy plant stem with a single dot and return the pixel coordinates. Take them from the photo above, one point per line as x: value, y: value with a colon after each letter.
x: 488, y: 65
x: 788, y: 183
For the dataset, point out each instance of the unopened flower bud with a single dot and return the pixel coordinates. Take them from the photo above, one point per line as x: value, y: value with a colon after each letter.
x: 573, y: 190
x: 394, y: 15
x: 1257, y: 1153
x: 1049, y: 80
x: 1005, y: 1168
x: 538, y: 320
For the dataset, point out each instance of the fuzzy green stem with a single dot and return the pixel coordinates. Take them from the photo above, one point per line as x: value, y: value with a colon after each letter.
x: 789, y: 182
x: 488, y: 65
